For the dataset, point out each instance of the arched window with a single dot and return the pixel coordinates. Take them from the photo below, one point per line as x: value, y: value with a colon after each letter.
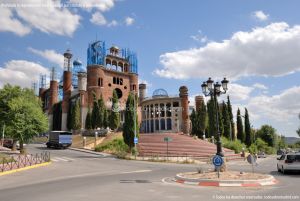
x: 162, y: 124
x: 169, y: 124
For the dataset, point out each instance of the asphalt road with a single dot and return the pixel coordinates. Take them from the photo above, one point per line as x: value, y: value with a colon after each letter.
x: 82, y: 176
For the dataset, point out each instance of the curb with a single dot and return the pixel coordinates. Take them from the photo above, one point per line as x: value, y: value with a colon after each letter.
x: 89, y: 151
x: 227, y: 183
x: 24, y: 168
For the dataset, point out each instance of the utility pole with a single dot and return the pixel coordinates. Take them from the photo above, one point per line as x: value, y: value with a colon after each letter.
x: 3, y: 135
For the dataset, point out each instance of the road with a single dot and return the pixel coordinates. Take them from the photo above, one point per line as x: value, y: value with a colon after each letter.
x: 82, y: 176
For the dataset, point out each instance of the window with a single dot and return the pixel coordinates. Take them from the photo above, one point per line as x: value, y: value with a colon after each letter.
x: 100, y: 82
x: 175, y: 104
x: 162, y: 110
x: 121, y: 81
x: 169, y: 112
x: 169, y: 124
x: 157, y: 124
x: 162, y: 124
x: 114, y: 80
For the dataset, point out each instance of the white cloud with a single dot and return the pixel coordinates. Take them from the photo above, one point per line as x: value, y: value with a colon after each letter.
x: 98, y: 19
x: 11, y: 24
x: 50, y: 55
x: 21, y: 73
x: 281, y: 108
x: 260, y: 86
x: 129, y: 21
x: 113, y: 23
x: 264, y: 51
x: 239, y: 92
x: 260, y: 15
x: 199, y: 37
x: 48, y: 18
x: 102, y: 5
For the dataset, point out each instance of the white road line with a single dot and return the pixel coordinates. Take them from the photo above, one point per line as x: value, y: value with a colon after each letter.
x: 136, y: 171
x: 69, y: 159
x: 60, y: 159
x: 54, y: 160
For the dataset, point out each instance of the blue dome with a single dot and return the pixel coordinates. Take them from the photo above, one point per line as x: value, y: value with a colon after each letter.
x: 160, y: 93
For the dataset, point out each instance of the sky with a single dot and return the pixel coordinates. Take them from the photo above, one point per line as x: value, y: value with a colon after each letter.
x: 255, y: 44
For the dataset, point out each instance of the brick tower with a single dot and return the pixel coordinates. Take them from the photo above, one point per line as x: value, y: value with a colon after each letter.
x: 67, y: 87
x: 183, y: 94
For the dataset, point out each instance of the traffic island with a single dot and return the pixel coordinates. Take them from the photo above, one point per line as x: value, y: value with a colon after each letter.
x: 225, y: 179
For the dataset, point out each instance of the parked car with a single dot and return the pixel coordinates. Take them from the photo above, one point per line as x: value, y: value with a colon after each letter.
x: 261, y: 154
x: 288, y: 162
x: 59, y: 139
x: 8, y: 143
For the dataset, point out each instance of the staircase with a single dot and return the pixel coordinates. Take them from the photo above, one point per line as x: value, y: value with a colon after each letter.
x: 181, y: 145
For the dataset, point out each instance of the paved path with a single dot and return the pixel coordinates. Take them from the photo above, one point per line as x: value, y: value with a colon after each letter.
x: 82, y: 176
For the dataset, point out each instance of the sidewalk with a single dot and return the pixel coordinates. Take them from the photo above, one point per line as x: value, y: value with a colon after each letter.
x: 92, y: 152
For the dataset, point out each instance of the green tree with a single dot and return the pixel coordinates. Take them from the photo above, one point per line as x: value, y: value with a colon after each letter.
x: 212, y: 129
x: 101, y: 112
x: 75, y: 119
x: 128, y: 128
x: 88, y: 120
x: 202, y: 119
x: 232, y: 128
x: 240, y: 127
x: 248, y: 140
x: 57, y: 116
x: 268, y: 134
x: 70, y: 116
x: 226, y: 120
x: 95, y: 113
x: 105, y: 118
x: 115, y: 114
x: 24, y: 117
x: 193, y: 118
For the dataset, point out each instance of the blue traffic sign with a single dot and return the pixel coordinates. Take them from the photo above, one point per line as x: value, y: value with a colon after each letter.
x: 217, y: 161
x: 136, y: 140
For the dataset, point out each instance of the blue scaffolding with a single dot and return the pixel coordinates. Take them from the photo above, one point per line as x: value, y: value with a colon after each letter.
x: 96, y: 53
x: 132, y: 58
x: 77, y: 68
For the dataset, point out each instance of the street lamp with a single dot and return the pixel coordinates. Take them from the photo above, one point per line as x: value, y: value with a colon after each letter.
x: 209, y: 88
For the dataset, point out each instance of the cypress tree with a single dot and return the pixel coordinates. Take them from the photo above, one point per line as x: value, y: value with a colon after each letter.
x: 70, y: 116
x: 232, y: 128
x: 202, y: 119
x: 226, y: 120
x: 101, y: 112
x: 95, y: 114
x: 105, y: 118
x: 240, y: 129
x: 212, y: 129
x: 88, y: 120
x: 193, y: 118
x: 247, y: 128
x: 220, y: 120
x: 76, y: 122
x: 114, y: 115
x: 128, y: 129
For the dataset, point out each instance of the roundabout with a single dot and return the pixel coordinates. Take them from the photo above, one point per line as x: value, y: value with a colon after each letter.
x: 226, y: 179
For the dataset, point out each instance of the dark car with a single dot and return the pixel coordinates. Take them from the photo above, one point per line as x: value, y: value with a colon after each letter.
x: 8, y: 143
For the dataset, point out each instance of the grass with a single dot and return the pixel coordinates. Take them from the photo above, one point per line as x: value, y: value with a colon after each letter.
x: 5, y: 158
x: 115, y: 146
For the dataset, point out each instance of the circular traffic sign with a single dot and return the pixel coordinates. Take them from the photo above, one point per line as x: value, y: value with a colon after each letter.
x: 217, y: 161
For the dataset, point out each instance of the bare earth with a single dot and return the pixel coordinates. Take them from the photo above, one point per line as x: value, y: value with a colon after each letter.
x: 229, y: 175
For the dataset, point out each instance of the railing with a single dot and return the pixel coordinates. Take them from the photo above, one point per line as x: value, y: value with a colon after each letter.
x: 21, y: 161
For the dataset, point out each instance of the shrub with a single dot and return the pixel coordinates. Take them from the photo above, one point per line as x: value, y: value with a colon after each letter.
x: 252, y: 149
x: 117, y: 146
x: 236, y: 145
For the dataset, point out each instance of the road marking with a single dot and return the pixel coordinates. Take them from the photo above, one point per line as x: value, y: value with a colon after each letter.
x: 136, y: 171
x: 69, y: 159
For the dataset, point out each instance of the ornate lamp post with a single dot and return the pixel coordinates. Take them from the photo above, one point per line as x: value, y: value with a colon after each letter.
x: 209, y: 88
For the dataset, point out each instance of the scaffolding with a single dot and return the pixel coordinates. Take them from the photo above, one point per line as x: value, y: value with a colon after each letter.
x: 42, y: 83
x: 132, y: 58
x: 96, y: 53
x: 77, y: 68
